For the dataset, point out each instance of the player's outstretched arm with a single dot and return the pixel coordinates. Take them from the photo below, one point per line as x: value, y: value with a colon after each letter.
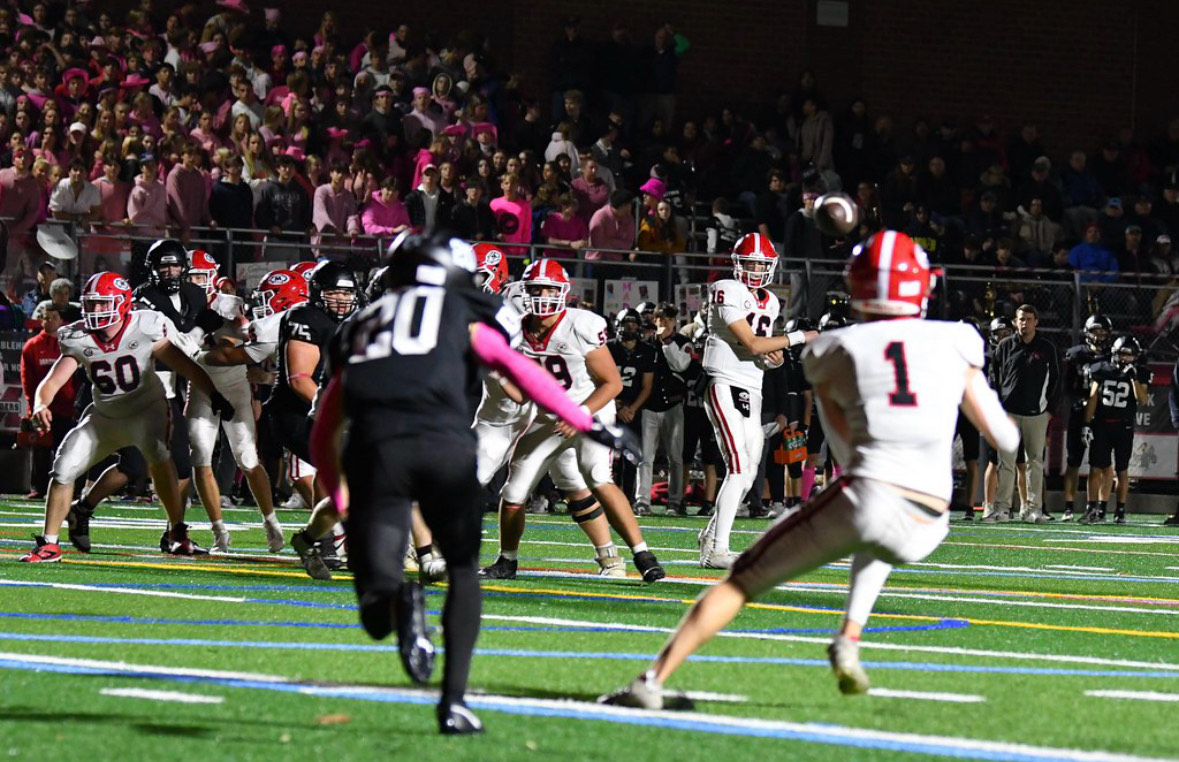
x: 223, y: 355
x: 176, y: 359
x: 60, y: 374
x: 534, y: 381
x: 982, y: 408
x: 760, y: 345
x: 302, y: 357
x: 326, y: 435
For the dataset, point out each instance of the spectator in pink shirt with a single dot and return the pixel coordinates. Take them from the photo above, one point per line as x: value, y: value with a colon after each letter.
x: 147, y: 206
x: 115, y: 194
x: 188, y: 194
x: 385, y: 214
x: 611, y: 227
x: 333, y: 212
x: 565, y: 228
x: 513, y: 214
x: 20, y: 202
x: 592, y: 191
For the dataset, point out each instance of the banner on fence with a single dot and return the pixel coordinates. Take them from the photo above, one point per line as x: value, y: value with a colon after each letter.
x: 625, y: 294
x: 12, y: 398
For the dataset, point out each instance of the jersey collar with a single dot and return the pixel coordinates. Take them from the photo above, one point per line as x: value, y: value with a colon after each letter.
x: 540, y: 342
x: 113, y: 344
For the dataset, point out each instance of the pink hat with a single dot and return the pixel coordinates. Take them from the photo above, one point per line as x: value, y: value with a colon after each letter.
x: 295, y: 152
x: 429, y: 167
x: 135, y: 80
x: 76, y: 74
x: 362, y: 144
x: 24, y: 19
x: 212, y: 46
x: 453, y: 129
x: 335, y: 133
x: 317, y: 49
x: 300, y: 55
x: 480, y: 127
x: 278, y: 50
x: 271, y: 14
x: 234, y: 5
x: 420, y: 91
x: 98, y: 42
x: 654, y: 187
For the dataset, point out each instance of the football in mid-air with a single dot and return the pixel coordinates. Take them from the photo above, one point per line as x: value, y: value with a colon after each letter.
x: 836, y: 214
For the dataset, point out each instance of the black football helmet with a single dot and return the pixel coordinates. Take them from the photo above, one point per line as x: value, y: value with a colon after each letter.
x: 167, y: 252
x: 628, y: 325
x: 436, y: 259
x: 1001, y: 327
x: 334, y: 289
x: 1125, y: 351
x: 377, y: 284
x: 1098, y: 332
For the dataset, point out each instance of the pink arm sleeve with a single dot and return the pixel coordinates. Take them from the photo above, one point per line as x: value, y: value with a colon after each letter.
x: 536, y: 383
x: 324, y: 442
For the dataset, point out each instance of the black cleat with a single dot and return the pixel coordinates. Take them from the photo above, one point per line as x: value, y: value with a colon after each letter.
x: 757, y: 512
x: 176, y: 542
x: 455, y: 719
x: 648, y: 566
x: 706, y: 510
x: 327, y: 552
x: 78, y: 520
x: 413, y: 639
x: 1092, y: 516
x: 1120, y: 516
x: 968, y: 513
x: 1067, y: 515
x: 1172, y: 521
x: 501, y: 569
x: 308, y: 550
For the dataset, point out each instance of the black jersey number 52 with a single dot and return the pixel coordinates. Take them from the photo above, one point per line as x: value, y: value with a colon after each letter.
x: 407, y: 324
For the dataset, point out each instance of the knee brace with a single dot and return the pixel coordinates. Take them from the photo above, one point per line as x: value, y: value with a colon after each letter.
x: 586, y: 509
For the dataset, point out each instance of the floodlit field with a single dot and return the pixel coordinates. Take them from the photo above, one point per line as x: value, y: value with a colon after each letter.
x: 1011, y: 642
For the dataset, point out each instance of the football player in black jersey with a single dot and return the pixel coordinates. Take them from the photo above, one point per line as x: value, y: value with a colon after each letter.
x: 663, y: 417
x: 1117, y: 387
x: 1098, y: 333
x: 404, y: 375
x: 303, y: 338
x: 636, y: 366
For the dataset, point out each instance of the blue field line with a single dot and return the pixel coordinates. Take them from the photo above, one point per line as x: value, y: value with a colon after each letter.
x: 593, y: 655
x: 810, y: 733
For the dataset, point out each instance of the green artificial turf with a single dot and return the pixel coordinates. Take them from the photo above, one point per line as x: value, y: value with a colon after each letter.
x: 1001, y: 601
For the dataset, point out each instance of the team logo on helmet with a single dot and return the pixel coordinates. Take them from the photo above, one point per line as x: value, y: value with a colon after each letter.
x: 122, y: 283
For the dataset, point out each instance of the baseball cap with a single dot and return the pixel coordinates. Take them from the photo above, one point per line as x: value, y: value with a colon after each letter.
x: 1133, y: 230
x: 1114, y: 202
x: 1164, y: 238
x: 1042, y: 164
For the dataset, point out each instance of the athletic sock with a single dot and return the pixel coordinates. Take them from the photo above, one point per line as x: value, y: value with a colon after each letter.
x: 1103, y: 506
x: 218, y: 526
x: 51, y: 539
x: 272, y: 520
x: 1068, y: 506
x: 509, y: 555
x: 639, y: 548
x: 1121, y: 507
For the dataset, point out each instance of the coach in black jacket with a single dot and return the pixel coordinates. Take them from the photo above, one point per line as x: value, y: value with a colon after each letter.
x: 1025, y: 373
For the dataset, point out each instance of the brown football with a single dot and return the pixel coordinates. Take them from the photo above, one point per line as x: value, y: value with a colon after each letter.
x: 836, y: 214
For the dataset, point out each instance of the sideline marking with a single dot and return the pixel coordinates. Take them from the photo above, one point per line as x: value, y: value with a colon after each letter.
x: 1136, y: 695
x: 954, y: 698
x: 941, y: 746
x: 176, y: 696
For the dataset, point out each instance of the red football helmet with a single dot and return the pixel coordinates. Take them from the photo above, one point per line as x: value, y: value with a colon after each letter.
x: 279, y: 290
x: 106, y: 300
x: 889, y: 275
x: 304, y: 269
x: 754, y: 260
x: 545, y: 273
x: 491, y: 267
x: 203, y: 270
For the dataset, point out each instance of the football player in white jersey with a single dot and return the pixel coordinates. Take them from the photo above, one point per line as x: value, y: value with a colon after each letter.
x: 889, y: 392
x: 118, y: 348
x: 204, y: 425
x: 740, y: 343
x: 571, y: 344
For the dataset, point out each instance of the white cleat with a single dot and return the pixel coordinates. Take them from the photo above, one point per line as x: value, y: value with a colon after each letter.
x: 274, y: 538
x: 221, y: 541
x: 295, y: 503
x: 611, y: 566
x: 644, y: 692
x: 704, y: 538
x: 431, y: 568
x: 844, y: 655
x: 718, y: 559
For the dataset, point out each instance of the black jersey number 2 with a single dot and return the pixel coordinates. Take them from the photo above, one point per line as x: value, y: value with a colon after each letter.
x: 407, y: 324
x: 901, y: 396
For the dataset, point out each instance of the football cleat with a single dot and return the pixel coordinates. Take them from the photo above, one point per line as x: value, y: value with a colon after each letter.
x: 274, y: 538
x: 704, y: 536
x: 1067, y: 515
x: 413, y: 639
x: 1092, y: 516
x: 611, y: 565
x: 308, y: 550
x: 718, y: 559
x: 78, y: 520
x: 1172, y: 520
x: 644, y: 692
x: 641, y: 509
x: 221, y: 541
x: 844, y: 655
x: 706, y: 510
x: 180, y: 544
x: 648, y: 566
x: 431, y: 568
x: 997, y: 517
x: 43, y: 553
x: 456, y: 719
x: 968, y: 513
x: 677, y: 509
x: 503, y: 568
x: 1120, y: 516
x: 329, y: 553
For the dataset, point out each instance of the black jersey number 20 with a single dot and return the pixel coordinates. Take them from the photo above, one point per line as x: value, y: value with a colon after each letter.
x: 407, y: 325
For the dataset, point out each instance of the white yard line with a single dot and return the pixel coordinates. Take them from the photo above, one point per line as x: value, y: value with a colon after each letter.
x: 173, y: 696
x: 953, y: 698
x: 1135, y: 695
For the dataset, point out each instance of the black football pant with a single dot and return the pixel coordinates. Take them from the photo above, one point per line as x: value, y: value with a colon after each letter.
x: 439, y: 473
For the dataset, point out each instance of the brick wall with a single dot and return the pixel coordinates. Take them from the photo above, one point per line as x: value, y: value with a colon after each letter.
x: 1079, y: 68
